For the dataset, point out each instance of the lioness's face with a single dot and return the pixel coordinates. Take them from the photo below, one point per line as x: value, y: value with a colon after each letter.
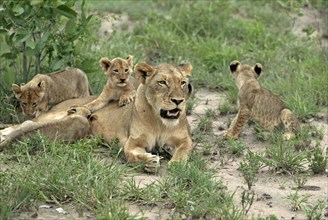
x: 29, y: 97
x: 118, y: 70
x: 167, y: 88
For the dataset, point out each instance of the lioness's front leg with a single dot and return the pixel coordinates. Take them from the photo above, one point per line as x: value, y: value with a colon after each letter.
x: 135, y: 152
x: 237, y: 124
x: 183, y: 150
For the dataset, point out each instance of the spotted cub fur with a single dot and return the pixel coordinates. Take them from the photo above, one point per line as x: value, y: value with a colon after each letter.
x: 258, y: 104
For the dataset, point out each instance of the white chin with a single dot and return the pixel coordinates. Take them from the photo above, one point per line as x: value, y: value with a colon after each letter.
x: 121, y: 84
x: 170, y: 123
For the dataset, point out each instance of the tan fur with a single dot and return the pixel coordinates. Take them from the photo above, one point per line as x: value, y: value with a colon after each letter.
x: 120, y: 85
x: 72, y: 126
x: 53, y: 88
x: 258, y: 104
x: 157, y: 117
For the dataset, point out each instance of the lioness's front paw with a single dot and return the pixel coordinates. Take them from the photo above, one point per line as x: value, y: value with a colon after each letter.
x: 124, y: 100
x: 153, y: 163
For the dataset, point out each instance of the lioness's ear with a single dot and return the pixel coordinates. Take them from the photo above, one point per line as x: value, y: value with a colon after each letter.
x: 16, y: 89
x: 104, y: 63
x: 190, y: 89
x: 258, y: 70
x: 234, y: 65
x: 130, y: 60
x: 185, y: 67
x: 142, y: 71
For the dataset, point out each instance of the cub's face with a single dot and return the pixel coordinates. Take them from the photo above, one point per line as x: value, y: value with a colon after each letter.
x: 29, y: 97
x: 166, y: 89
x: 118, y: 70
x: 242, y: 72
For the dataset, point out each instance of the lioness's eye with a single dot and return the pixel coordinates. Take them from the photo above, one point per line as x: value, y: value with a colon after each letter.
x: 126, y: 70
x: 183, y: 83
x: 162, y: 82
x: 116, y: 70
x: 24, y: 104
x: 34, y: 104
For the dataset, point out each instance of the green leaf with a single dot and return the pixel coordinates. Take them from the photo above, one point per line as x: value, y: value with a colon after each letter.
x: 36, y: 2
x: 70, y: 27
x: 9, y: 55
x: 31, y: 43
x: 9, y: 76
x: 22, y: 38
x: 66, y: 11
x: 56, y: 65
x: 18, y: 10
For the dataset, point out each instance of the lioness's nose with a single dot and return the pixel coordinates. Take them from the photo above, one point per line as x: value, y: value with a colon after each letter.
x: 122, y: 80
x: 177, y: 101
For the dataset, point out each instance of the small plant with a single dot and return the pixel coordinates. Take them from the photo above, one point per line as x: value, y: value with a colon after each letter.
x: 282, y: 158
x: 300, y: 179
x: 297, y: 200
x: 318, y: 162
x: 205, y: 124
x: 314, y: 212
x: 250, y: 167
x: 235, y: 147
x: 190, y: 105
x: 247, y: 199
x: 261, y: 134
x: 225, y: 108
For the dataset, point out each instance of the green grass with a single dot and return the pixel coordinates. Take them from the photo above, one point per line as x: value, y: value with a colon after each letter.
x: 210, y: 34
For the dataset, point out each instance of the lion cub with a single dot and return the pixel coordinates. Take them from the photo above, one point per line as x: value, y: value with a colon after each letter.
x: 35, y: 96
x: 120, y: 85
x: 258, y: 104
x: 73, y: 126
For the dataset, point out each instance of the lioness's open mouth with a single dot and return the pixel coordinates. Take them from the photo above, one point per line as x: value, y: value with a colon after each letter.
x: 170, y: 114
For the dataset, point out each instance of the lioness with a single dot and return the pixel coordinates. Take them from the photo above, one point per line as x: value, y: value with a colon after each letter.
x: 258, y: 104
x: 35, y: 96
x: 118, y: 86
x: 157, y: 117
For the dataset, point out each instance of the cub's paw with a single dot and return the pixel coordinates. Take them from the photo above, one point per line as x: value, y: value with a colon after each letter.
x: 153, y: 163
x: 125, y: 99
x: 288, y: 135
x: 228, y: 133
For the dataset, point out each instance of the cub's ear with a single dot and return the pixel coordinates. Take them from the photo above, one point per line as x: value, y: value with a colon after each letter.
x: 258, y: 70
x: 71, y: 111
x: 16, y: 89
x: 41, y: 86
x: 234, y: 65
x: 142, y: 71
x: 92, y: 117
x: 104, y: 63
x: 185, y: 67
x: 130, y: 60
